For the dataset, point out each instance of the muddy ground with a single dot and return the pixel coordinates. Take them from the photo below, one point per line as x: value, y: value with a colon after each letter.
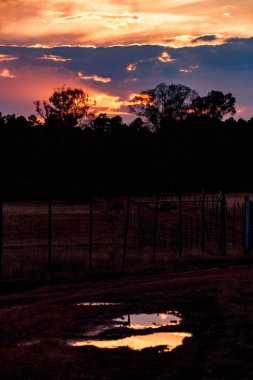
x: 216, y: 306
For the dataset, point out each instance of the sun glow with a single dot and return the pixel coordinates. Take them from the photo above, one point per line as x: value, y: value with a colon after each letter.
x: 7, y: 74
x: 109, y: 104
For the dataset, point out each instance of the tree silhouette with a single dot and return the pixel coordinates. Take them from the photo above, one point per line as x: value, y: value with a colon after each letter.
x: 215, y: 105
x: 101, y: 122
x: 67, y: 107
x: 164, y: 101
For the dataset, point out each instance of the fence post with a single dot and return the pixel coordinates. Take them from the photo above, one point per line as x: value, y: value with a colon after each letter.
x: 91, y: 230
x: 180, y: 225
x: 155, y: 227
x: 203, y: 224
x: 234, y: 228
x: 49, y: 246
x: 223, y: 225
x: 246, y: 223
x: 139, y: 223
x: 126, y: 233
x: 1, y: 236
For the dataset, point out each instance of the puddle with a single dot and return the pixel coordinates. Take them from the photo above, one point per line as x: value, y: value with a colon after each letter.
x: 145, y: 321
x: 97, y: 304
x: 167, y: 340
x: 123, y: 332
x: 135, y: 331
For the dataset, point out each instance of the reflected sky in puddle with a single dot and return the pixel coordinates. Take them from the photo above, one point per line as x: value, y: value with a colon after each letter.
x: 169, y: 341
x: 116, y: 334
x: 135, y: 331
x: 29, y: 343
x: 144, y: 321
x: 97, y: 304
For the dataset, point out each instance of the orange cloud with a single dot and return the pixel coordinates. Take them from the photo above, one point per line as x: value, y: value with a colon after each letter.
x: 109, y: 104
x: 7, y: 57
x: 61, y: 22
x: 139, y: 99
x: 7, y: 74
x: 116, y: 20
x: 165, y: 58
x: 66, y: 19
x: 131, y: 67
x: 95, y: 78
x: 229, y: 7
x: 39, y: 46
x: 56, y: 58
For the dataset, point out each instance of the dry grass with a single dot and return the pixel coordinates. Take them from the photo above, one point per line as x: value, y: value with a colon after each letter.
x: 25, y: 234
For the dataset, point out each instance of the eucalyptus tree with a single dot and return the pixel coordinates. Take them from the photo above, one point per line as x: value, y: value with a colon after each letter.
x: 163, y: 102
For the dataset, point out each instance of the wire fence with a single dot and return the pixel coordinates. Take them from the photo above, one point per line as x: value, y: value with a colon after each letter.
x: 117, y: 233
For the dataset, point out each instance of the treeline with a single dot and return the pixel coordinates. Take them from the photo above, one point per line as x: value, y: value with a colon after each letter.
x: 179, y: 154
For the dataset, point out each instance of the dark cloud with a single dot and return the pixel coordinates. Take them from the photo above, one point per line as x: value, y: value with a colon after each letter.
x: 205, y: 38
x: 239, y: 41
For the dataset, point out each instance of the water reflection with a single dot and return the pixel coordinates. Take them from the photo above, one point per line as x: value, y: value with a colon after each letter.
x: 144, y: 321
x: 29, y: 343
x: 168, y: 340
x: 123, y: 332
x: 97, y: 304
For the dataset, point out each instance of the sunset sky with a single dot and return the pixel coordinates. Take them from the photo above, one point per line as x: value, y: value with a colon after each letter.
x: 113, y: 49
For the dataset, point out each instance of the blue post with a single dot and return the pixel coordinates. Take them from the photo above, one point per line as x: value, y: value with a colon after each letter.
x: 1, y: 236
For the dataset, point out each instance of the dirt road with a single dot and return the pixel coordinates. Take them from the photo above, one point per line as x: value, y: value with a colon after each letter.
x: 216, y: 306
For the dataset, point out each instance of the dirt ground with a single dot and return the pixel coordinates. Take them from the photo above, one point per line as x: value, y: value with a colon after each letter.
x: 216, y: 306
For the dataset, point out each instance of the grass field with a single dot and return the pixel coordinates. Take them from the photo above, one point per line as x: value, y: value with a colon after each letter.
x: 119, y: 237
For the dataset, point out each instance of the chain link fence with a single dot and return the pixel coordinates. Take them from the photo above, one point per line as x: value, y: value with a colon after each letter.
x: 118, y: 233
